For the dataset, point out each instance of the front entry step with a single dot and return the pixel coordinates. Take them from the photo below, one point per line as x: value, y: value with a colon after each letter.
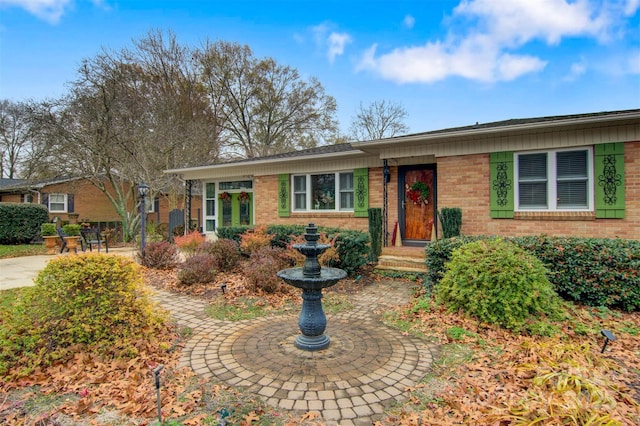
x: 402, y: 259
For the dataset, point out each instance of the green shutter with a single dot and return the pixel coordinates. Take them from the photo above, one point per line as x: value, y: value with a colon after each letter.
x: 284, y: 195
x: 501, y: 185
x: 361, y: 192
x: 609, y: 180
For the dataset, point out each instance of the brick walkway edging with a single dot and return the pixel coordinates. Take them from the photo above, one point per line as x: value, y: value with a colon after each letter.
x: 366, y: 367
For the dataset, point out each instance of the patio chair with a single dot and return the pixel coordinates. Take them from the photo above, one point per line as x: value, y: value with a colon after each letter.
x: 92, y: 237
x: 63, y: 242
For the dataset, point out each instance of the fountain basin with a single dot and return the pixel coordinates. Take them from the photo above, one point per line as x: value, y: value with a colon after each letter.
x: 327, y: 278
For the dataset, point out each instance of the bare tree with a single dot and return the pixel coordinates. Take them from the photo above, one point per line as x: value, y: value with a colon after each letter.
x: 379, y: 120
x: 265, y: 108
x: 129, y: 116
x: 15, y: 137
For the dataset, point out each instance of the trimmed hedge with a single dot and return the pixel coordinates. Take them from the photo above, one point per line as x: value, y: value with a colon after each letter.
x: 20, y: 223
x: 352, y: 246
x: 593, y: 271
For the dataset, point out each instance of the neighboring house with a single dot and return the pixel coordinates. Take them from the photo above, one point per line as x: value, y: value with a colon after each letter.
x: 573, y: 175
x: 76, y: 199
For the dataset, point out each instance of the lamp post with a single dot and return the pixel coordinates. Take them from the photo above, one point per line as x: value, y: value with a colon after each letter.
x: 143, y: 190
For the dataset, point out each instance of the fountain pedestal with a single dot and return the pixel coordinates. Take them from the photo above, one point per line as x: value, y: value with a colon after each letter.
x: 312, y: 278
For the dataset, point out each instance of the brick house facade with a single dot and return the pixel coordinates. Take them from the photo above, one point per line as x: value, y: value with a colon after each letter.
x: 78, y: 200
x: 575, y: 175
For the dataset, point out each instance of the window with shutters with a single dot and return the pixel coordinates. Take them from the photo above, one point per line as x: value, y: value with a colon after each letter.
x: 324, y: 192
x: 558, y: 180
x: 58, y: 203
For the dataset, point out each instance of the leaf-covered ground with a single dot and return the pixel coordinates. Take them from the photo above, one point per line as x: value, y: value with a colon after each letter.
x: 483, y: 375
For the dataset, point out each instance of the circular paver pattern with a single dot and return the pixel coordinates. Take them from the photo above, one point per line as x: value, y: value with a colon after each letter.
x: 366, y: 367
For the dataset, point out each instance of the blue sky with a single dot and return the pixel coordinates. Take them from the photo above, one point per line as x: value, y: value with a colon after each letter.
x: 448, y: 62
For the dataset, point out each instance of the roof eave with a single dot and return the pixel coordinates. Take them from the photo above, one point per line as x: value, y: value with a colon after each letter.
x: 427, y: 137
x: 258, y: 162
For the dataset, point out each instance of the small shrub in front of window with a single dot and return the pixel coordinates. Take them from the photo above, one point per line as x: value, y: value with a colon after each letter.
x: 255, y: 239
x: 189, y: 243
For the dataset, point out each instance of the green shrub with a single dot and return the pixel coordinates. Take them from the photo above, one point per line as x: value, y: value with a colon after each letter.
x: 593, y: 271
x: 232, y: 232
x: 20, y: 223
x: 159, y: 255
x: 198, y: 268
x: 93, y: 300
x: 451, y: 220
x: 375, y: 232
x: 71, y: 230
x: 262, y: 268
x: 438, y: 254
x: 226, y: 254
x: 352, y: 247
x: 497, y: 282
x: 282, y: 234
x: 48, y: 229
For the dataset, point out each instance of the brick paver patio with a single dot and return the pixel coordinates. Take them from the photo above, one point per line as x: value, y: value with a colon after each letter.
x: 366, y: 367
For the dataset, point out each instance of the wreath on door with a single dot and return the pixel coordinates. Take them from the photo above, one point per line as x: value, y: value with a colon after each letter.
x: 418, y: 193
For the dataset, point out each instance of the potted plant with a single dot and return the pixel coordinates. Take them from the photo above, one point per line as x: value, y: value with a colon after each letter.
x: 49, y: 235
x: 72, y: 232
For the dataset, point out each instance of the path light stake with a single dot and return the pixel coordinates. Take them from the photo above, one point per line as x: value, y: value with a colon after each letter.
x: 156, y: 374
x: 607, y: 336
x: 223, y: 287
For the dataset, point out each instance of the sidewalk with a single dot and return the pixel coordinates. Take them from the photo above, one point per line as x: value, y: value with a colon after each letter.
x: 18, y: 272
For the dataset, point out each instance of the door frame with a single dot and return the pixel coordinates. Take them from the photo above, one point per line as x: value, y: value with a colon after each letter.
x: 400, y: 199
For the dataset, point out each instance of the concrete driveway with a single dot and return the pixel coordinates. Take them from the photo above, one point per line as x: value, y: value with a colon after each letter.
x: 22, y: 271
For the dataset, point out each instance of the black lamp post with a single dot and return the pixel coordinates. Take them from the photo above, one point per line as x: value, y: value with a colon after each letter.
x: 143, y: 190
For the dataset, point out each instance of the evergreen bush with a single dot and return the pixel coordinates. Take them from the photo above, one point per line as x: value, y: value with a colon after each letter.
x: 499, y: 283
x: 375, y: 232
x: 451, y: 220
x: 20, y: 223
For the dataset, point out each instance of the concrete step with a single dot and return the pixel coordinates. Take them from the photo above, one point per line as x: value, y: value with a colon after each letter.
x: 401, y: 263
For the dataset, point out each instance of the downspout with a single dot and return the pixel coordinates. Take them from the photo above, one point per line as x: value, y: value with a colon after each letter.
x: 386, y: 177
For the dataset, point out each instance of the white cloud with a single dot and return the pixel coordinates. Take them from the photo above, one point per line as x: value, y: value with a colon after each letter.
x: 48, y: 10
x: 409, y: 21
x: 633, y: 63
x: 495, y: 32
x: 631, y: 7
x: 337, y: 41
x: 333, y: 41
x: 577, y: 69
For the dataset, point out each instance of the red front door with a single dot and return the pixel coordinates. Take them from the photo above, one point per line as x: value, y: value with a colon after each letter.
x: 417, y: 201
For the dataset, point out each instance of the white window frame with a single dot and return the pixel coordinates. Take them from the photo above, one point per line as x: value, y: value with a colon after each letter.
x: 28, y: 198
x: 309, y: 202
x: 552, y: 180
x: 65, y: 203
x: 216, y: 199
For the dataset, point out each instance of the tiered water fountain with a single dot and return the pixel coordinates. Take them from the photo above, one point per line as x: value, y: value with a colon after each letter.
x: 312, y: 278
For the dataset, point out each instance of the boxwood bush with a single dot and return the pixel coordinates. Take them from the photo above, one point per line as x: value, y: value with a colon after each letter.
x: 593, y: 271
x: 20, y: 223
x: 497, y: 282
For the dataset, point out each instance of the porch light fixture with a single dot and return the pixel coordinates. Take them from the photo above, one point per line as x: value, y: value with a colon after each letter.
x: 143, y: 190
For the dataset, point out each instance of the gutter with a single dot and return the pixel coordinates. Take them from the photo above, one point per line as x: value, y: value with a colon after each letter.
x: 438, y: 135
x: 265, y: 162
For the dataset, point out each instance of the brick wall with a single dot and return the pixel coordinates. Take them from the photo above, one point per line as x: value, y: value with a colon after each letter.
x: 266, y: 206
x: 92, y: 205
x: 463, y: 181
